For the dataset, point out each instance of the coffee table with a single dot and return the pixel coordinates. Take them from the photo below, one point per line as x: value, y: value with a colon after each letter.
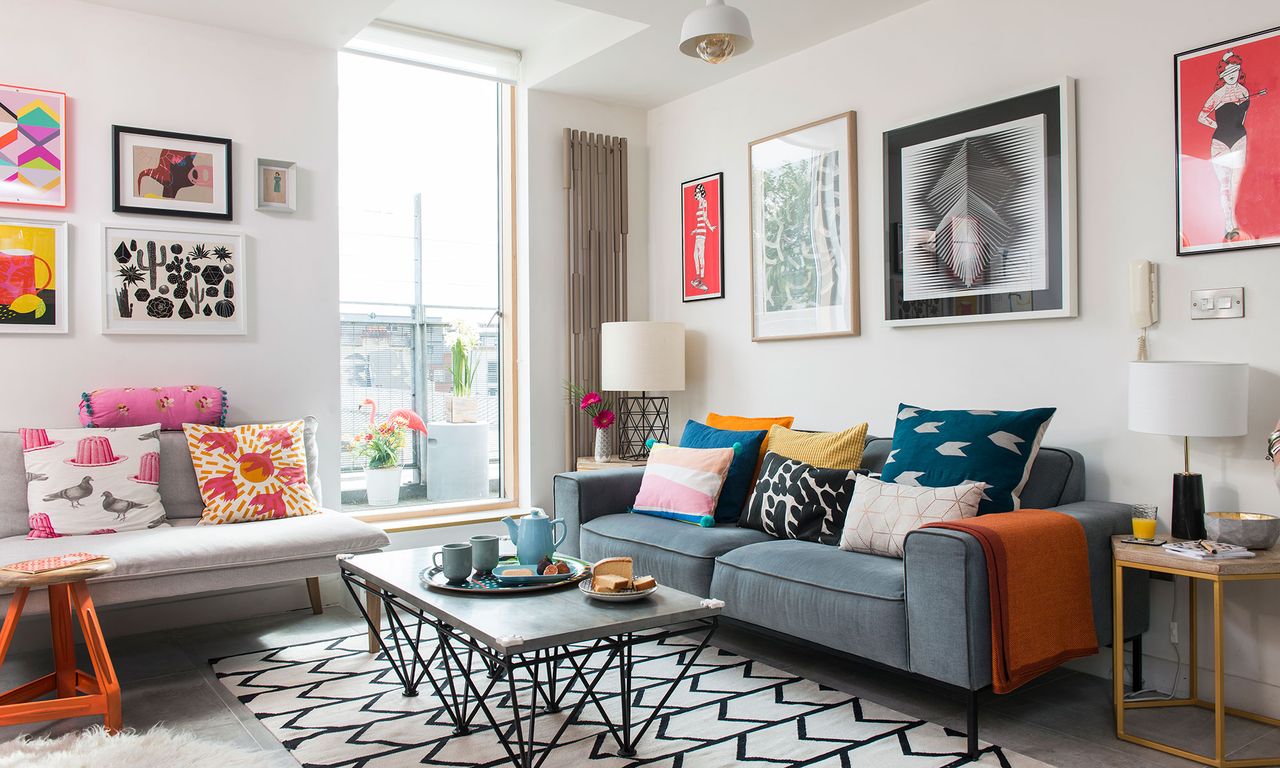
x: 546, y: 637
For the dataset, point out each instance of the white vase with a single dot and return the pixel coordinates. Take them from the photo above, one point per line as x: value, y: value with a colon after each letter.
x: 382, y: 486
x: 602, y: 452
x: 463, y: 410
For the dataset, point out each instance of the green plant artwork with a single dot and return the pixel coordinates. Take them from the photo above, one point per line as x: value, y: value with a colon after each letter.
x: 799, y: 228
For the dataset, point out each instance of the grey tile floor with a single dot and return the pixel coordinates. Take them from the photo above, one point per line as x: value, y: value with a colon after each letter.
x: 1063, y: 719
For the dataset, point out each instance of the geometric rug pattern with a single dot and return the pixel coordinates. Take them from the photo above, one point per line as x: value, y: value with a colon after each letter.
x: 331, y: 704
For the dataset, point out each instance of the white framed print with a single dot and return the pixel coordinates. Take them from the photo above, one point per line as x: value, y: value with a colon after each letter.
x: 173, y: 282
x: 33, y: 276
x: 804, y: 231
x: 277, y: 185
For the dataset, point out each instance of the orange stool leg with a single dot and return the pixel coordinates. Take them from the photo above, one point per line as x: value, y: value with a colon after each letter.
x: 16, y: 601
x: 64, y: 644
x: 105, y: 673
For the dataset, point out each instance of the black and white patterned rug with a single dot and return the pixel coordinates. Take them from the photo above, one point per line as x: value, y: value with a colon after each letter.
x: 333, y: 704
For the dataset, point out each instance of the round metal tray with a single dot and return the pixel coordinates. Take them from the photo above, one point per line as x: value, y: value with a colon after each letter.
x: 489, y: 585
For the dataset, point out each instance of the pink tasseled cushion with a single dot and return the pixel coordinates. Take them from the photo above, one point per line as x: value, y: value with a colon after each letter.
x: 171, y: 406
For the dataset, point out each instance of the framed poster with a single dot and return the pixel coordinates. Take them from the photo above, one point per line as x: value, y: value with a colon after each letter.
x: 702, y: 238
x: 980, y: 213
x: 1228, y: 144
x: 33, y: 146
x: 170, y: 174
x: 277, y: 185
x: 804, y: 231
x: 157, y: 281
x: 33, y: 276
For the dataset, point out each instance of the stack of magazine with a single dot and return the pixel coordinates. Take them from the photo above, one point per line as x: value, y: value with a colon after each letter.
x: 1207, y: 550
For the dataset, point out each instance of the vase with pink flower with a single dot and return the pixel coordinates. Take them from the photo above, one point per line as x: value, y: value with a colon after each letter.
x: 600, y: 411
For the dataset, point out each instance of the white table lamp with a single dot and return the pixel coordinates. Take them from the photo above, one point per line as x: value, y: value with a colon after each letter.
x: 1190, y: 399
x: 644, y: 357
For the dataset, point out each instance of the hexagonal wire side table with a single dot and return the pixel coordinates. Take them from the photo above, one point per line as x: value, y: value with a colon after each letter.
x: 1265, y: 566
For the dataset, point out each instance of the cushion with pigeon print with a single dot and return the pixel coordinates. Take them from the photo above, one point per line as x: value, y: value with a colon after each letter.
x: 795, y: 500
x: 82, y: 481
x: 251, y: 472
x: 937, y: 449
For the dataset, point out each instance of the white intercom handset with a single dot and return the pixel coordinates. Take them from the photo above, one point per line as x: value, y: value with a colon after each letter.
x: 1144, y: 300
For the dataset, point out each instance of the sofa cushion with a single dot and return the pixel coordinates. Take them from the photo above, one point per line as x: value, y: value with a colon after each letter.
x: 185, y: 547
x: 849, y: 601
x: 678, y: 555
x: 737, y: 484
x: 795, y: 500
x: 251, y: 473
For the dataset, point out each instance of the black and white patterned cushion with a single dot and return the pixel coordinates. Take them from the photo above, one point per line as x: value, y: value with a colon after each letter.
x: 795, y: 500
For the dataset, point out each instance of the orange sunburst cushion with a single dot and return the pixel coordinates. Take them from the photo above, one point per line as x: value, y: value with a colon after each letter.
x: 251, y: 472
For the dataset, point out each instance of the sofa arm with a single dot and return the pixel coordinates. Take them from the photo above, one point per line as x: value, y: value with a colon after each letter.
x: 583, y: 496
x: 949, y: 606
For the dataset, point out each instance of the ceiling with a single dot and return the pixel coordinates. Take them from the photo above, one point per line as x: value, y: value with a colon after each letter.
x: 620, y: 51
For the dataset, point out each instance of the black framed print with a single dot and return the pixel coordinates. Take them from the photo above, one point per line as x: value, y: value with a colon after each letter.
x: 162, y: 173
x: 980, y: 213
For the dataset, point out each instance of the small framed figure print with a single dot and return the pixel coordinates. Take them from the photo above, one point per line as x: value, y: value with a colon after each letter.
x: 277, y: 183
x: 171, y: 174
x: 702, y: 238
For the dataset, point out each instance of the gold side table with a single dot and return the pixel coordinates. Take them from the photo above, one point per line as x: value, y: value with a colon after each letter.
x: 1265, y: 566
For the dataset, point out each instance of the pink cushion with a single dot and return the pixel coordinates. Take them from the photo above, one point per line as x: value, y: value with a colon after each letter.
x: 683, y: 481
x: 171, y: 406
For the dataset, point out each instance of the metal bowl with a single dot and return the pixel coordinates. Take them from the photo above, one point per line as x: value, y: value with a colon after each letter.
x: 1252, y: 530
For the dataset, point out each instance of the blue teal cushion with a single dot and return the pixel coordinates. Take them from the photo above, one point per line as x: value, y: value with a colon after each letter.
x: 737, y: 484
x: 937, y: 449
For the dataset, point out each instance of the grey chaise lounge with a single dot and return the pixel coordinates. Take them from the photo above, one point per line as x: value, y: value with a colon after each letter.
x: 927, y: 615
x: 182, y: 559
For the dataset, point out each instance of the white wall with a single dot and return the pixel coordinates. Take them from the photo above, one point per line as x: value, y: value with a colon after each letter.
x: 274, y: 99
x: 937, y: 58
x: 543, y: 118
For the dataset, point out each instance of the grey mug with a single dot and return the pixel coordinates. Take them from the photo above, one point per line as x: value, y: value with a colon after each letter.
x: 456, y: 561
x: 484, y: 552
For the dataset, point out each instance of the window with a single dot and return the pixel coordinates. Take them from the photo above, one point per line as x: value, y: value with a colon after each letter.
x: 425, y: 256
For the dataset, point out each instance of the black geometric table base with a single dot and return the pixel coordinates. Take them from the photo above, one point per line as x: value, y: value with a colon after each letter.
x: 553, y: 673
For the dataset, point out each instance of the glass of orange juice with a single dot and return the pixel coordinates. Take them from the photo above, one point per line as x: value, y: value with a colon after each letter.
x: 1144, y: 521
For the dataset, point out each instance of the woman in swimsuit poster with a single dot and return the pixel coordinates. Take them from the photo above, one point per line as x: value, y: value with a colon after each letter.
x: 703, y: 240
x: 1228, y: 145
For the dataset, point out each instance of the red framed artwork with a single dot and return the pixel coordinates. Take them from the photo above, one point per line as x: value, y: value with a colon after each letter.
x: 1227, y: 100
x: 33, y: 147
x: 702, y: 238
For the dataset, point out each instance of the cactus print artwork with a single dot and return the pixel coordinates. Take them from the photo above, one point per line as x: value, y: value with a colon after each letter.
x: 174, y: 282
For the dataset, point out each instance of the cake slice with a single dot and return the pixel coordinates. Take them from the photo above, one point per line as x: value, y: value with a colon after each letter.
x: 643, y: 583
x: 611, y: 583
x: 611, y: 566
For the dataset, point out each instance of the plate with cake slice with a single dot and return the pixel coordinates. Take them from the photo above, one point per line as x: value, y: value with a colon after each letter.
x: 612, y: 580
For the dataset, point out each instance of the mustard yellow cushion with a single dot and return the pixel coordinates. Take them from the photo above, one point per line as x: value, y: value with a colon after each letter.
x: 830, y: 450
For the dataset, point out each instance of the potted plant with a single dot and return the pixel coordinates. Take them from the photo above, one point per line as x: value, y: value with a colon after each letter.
x: 380, y: 447
x: 600, y: 411
x: 463, y: 340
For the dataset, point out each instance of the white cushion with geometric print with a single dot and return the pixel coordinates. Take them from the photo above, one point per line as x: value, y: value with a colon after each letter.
x: 882, y: 514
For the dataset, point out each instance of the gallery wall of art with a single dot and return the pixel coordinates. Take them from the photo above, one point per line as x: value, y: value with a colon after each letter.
x: 246, y: 301
x: 916, y: 66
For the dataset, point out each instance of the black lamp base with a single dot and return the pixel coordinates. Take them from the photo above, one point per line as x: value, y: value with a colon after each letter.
x: 641, y: 419
x: 1188, y: 506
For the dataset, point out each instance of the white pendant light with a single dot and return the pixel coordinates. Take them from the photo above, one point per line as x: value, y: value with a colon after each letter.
x: 715, y: 33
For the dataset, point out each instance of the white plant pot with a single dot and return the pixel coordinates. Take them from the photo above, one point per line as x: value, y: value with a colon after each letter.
x: 382, y: 486
x: 463, y: 410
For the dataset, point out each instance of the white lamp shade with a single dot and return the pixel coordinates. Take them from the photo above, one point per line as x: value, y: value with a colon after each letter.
x: 1192, y: 399
x: 715, y: 19
x: 642, y: 357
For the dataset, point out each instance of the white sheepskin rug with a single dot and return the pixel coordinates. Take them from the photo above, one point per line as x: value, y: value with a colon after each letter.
x: 95, y: 748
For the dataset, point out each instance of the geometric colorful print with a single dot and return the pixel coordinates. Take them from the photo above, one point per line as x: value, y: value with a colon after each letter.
x: 251, y: 472
x: 33, y: 147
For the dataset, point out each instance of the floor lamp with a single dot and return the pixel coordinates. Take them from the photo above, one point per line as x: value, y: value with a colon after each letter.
x: 1189, y: 399
x: 641, y: 357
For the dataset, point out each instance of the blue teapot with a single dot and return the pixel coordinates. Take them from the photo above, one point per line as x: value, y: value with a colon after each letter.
x: 533, y: 536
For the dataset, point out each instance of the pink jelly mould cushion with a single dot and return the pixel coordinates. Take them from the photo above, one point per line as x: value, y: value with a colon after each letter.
x: 171, y: 406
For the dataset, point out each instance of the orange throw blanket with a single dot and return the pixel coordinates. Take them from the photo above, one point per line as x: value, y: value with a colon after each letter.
x: 1038, y: 574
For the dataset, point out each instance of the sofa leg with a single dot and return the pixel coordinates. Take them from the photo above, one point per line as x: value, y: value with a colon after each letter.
x: 373, y: 605
x: 973, y: 725
x: 313, y: 591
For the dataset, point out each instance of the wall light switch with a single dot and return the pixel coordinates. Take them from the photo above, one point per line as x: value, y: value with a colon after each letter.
x: 1217, y: 303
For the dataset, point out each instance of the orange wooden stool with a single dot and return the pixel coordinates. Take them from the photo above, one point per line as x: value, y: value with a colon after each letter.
x: 78, y: 694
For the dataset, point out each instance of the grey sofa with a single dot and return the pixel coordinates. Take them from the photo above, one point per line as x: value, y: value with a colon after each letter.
x: 183, y: 558
x: 927, y: 615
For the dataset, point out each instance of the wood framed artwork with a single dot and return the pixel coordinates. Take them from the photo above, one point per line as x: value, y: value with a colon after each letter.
x: 170, y: 174
x: 1228, y: 186
x: 702, y: 238
x: 33, y: 276
x: 165, y: 282
x: 33, y: 146
x: 277, y: 185
x: 980, y: 213
x: 804, y: 231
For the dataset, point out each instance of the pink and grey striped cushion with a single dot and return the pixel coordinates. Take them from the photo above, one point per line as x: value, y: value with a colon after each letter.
x: 684, y: 481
